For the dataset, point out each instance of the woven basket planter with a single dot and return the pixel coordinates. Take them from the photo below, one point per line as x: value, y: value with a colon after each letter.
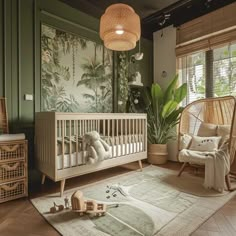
x: 157, y: 154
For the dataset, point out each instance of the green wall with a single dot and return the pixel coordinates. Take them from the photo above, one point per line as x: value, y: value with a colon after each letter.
x: 20, y: 22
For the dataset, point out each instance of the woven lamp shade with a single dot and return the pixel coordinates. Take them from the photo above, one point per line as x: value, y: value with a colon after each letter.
x: 120, y: 27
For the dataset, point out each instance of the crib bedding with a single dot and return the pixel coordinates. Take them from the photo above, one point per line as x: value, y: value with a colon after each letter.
x: 128, y: 148
x: 116, y: 141
x: 117, y: 150
x: 75, y: 159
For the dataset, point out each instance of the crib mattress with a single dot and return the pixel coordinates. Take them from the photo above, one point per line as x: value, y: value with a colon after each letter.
x: 117, y: 140
x: 74, y: 160
x: 121, y: 149
x: 117, y: 150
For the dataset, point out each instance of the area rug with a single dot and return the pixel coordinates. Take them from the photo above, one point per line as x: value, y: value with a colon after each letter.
x: 152, y: 202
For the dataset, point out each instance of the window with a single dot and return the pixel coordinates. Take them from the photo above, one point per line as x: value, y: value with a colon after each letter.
x: 192, y: 71
x: 224, y: 70
x: 211, y: 73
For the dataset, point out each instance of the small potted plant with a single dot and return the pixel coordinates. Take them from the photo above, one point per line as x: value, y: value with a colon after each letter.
x: 163, y: 114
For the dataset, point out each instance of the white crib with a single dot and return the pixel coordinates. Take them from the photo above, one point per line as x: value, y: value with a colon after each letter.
x: 61, y: 153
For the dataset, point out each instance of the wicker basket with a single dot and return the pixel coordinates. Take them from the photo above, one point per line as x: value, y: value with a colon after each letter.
x: 13, y: 150
x: 12, y: 171
x: 13, y: 190
x: 13, y: 162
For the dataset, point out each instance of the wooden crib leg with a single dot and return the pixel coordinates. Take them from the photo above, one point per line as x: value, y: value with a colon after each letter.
x: 62, y: 186
x: 140, y: 165
x: 43, y: 179
x: 182, y: 168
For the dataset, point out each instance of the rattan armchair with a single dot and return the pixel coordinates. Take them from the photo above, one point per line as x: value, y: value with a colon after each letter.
x: 218, y: 111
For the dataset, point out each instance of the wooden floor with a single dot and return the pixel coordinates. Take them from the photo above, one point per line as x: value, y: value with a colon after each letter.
x: 20, y: 218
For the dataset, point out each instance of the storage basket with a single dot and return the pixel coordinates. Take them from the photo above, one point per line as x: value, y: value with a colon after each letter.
x: 12, y: 171
x: 13, y: 190
x: 13, y: 150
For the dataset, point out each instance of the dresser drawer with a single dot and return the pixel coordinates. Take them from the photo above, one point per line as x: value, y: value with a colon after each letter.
x: 12, y: 170
x: 13, y: 190
x: 13, y: 150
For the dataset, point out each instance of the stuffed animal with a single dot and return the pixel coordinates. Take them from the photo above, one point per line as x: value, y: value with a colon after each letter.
x: 97, y: 148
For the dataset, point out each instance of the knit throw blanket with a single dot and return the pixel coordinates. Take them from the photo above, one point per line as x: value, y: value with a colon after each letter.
x: 217, y: 166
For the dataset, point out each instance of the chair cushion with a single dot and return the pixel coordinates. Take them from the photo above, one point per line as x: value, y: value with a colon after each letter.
x: 11, y: 137
x: 205, y: 144
x: 194, y: 157
x: 185, y: 141
x: 207, y: 130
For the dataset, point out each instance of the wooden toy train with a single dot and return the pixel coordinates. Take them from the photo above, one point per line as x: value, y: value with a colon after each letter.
x: 78, y: 204
x: 86, y: 206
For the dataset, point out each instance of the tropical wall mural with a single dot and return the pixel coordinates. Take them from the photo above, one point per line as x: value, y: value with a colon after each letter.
x: 76, y: 73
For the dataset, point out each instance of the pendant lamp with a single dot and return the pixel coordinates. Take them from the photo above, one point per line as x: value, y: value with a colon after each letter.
x: 120, y: 27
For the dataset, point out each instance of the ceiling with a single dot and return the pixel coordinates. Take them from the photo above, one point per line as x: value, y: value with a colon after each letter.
x: 143, y: 8
x: 155, y: 14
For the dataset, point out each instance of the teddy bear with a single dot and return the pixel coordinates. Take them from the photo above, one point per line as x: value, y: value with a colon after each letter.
x: 97, y: 148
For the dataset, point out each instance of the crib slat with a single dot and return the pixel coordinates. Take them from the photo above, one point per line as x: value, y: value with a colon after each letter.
x: 134, y: 137
x: 129, y: 137
x: 59, y: 133
x: 63, y: 140
x: 121, y: 138
x: 139, y: 136
x: 112, y: 129
x: 142, y: 134
x: 143, y: 127
x: 136, y: 134
x: 126, y: 138
x: 133, y: 143
x: 83, y: 126
x: 82, y: 145
x: 145, y: 134
x: 65, y: 128
x: 70, y: 143
x: 77, y: 142
x: 98, y: 125
x: 117, y: 139
x: 103, y: 127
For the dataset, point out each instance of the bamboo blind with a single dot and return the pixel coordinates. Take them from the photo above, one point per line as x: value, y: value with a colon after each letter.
x: 207, y: 32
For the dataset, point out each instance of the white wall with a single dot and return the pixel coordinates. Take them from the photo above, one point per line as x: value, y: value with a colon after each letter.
x: 165, y: 60
x: 164, y: 54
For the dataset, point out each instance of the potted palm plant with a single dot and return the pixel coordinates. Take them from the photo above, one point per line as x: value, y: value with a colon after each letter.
x: 163, y: 114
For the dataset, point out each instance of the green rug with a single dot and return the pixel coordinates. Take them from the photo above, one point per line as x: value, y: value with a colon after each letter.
x: 151, y: 202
